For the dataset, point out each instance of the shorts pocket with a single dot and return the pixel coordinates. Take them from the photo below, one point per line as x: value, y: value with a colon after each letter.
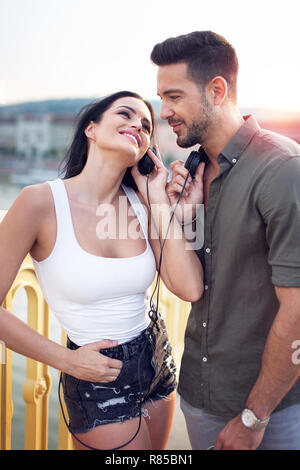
x: 118, y: 379
x: 89, y: 391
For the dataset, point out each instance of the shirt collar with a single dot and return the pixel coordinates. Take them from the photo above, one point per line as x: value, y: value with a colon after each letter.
x: 241, y: 139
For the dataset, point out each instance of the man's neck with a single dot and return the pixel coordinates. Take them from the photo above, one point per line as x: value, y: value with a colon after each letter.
x: 221, y: 134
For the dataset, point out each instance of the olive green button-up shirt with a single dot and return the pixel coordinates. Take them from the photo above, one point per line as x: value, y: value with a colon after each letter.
x: 251, y: 244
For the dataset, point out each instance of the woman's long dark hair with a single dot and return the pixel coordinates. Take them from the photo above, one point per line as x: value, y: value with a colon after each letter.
x: 76, y: 156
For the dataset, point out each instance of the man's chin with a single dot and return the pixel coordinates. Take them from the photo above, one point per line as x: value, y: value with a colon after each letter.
x: 185, y: 143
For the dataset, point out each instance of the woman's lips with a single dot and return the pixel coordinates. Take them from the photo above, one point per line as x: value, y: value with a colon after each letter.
x: 132, y: 136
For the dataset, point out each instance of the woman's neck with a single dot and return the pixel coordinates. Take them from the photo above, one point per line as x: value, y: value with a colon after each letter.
x: 97, y: 183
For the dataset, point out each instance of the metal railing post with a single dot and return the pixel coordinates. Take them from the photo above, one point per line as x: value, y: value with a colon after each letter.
x: 2, y: 395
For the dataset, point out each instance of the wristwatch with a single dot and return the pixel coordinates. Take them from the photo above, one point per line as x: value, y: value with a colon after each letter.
x: 251, y: 421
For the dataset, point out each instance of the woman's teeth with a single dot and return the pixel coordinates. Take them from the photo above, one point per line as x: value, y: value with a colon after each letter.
x: 131, y: 137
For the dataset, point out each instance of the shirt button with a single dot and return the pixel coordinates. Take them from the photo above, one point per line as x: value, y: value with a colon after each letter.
x: 207, y: 250
x: 233, y: 160
x: 204, y: 359
x: 206, y: 287
x: 204, y: 324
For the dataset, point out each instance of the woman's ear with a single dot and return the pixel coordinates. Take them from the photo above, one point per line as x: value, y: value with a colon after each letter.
x: 90, y: 131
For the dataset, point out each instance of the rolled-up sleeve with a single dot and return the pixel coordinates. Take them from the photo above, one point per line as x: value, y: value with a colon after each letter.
x: 280, y: 208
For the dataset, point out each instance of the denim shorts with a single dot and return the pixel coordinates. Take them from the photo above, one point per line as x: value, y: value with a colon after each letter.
x: 148, y: 373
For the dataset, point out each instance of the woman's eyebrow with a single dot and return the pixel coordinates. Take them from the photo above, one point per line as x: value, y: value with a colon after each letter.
x: 134, y: 111
x: 128, y: 107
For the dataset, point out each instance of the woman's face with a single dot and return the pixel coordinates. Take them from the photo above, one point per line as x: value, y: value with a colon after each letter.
x: 126, y: 127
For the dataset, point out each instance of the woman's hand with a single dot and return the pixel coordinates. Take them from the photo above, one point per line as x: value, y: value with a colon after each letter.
x: 157, y: 179
x: 193, y: 191
x: 86, y: 363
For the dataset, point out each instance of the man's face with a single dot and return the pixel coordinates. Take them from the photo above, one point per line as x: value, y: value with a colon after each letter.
x: 186, y: 108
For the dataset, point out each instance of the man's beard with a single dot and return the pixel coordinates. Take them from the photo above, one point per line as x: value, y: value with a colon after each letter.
x: 197, y: 130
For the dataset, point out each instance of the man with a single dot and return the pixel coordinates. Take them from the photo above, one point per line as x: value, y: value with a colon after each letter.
x: 238, y: 381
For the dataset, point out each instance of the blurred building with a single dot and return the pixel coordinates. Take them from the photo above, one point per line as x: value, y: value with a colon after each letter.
x: 43, y: 135
x: 8, y: 127
x: 48, y: 135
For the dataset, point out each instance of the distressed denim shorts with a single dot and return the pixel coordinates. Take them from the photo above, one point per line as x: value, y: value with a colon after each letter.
x: 148, y: 374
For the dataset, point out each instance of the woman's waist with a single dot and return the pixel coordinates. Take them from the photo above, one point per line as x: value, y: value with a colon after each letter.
x: 123, y: 351
x: 87, y: 327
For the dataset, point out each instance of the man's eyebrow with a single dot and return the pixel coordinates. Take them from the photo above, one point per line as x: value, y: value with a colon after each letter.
x: 171, y: 90
x: 134, y: 111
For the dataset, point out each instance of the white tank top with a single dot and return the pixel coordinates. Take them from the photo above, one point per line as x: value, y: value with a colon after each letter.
x: 95, y: 297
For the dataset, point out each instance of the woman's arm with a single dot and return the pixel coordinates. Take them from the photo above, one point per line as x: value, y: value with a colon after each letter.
x: 19, y: 231
x: 181, y: 269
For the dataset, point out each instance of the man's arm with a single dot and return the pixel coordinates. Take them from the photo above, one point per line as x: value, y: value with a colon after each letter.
x: 279, y: 206
x: 279, y: 372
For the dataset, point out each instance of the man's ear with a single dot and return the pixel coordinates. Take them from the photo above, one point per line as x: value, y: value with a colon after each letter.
x: 90, y: 131
x: 218, y: 88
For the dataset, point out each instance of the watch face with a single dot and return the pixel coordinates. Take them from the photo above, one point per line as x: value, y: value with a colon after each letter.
x: 248, y: 418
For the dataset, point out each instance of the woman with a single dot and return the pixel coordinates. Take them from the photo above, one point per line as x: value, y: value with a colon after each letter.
x: 94, y: 281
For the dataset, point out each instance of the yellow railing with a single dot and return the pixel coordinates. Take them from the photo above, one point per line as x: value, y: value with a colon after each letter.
x: 37, y: 384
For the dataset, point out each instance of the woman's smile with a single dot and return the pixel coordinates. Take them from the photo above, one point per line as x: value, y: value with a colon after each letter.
x: 132, y: 136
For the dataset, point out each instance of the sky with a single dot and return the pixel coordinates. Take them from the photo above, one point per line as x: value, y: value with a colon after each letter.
x: 90, y: 48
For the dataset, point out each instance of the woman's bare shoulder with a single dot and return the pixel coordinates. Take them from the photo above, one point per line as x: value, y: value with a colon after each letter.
x: 34, y: 200
x: 37, y: 195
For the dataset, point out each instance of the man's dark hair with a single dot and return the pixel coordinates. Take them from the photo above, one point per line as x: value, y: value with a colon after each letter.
x: 206, y: 54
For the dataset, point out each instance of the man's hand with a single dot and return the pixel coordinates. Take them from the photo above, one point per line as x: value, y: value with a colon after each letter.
x: 193, y: 193
x: 235, y: 436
